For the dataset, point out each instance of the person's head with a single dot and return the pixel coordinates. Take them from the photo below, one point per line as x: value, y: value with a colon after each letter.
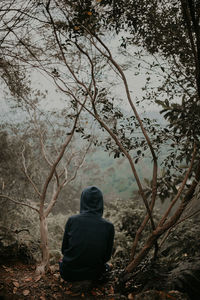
x: 91, y: 201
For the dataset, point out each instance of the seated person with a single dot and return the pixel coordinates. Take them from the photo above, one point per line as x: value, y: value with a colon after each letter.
x: 88, y: 240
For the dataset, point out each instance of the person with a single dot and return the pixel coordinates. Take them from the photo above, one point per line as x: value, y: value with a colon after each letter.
x: 88, y: 240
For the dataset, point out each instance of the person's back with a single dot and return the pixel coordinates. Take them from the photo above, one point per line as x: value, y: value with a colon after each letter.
x: 88, y: 239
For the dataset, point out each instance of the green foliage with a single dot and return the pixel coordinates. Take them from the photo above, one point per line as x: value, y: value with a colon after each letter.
x: 56, y: 225
x: 126, y: 215
x: 183, y: 243
x: 21, y: 237
x: 22, y: 231
x: 11, y: 178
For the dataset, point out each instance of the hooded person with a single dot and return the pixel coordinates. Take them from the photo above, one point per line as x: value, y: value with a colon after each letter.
x: 88, y: 240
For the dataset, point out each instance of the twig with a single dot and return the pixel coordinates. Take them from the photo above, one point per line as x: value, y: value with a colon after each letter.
x: 27, y: 175
x: 20, y: 203
x: 180, y: 221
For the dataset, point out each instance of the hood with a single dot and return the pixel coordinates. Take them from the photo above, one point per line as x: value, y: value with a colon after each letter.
x: 91, y: 201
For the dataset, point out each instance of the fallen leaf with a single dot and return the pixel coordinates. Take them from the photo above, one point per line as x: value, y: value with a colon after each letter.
x: 93, y: 293
x: 16, y: 284
x: 14, y: 290
x: 8, y: 269
x: 97, y: 292
x: 28, y: 279
x: 131, y: 297
x: 111, y: 291
x: 75, y: 294
x: 42, y: 298
x: 56, y: 275
x: 54, y: 268
x: 26, y: 292
x: 8, y: 280
x: 38, y: 278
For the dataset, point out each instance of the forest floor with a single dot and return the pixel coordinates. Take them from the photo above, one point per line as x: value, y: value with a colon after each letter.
x: 19, y: 281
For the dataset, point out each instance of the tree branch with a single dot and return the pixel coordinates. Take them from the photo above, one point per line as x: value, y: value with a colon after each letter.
x: 154, y: 185
x: 27, y: 175
x: 18, y: 202
x: 180, y: 189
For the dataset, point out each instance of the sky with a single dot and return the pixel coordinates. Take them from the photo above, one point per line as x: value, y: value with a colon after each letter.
x: 56, y: 101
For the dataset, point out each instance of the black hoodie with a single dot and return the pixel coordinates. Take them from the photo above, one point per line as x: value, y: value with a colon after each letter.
x: 88, y: 239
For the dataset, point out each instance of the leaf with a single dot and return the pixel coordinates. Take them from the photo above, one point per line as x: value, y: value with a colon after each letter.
x: 7, y: 269
x: 14, y: 290
x: 131, y: 297
x: 16, y: 284
x: 26, y: 292
x: 96, y: 292
x: 136, y: 161
x: 38, y: 278
x: 75, y: 294
x: 93, y: 293
x: 111, y: 290
x: 28, y: 279
x: 162, y: 69
x: 68, y: 292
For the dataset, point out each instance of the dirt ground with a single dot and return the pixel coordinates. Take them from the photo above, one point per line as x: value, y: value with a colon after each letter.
x: 19, y: 281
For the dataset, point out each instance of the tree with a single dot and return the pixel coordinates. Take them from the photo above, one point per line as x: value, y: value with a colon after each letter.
x: 164, y: 224
x: 62, y: 164
x: 79, y: 26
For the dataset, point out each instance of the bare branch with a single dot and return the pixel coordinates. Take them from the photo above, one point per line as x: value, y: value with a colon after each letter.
x: 79, y: 164
x: 65, y: 182
x: 27, y: 175
x: 154, y: 187
x: 43, y: 149
x: 59, y: 157
x: 93, y: 75
x: 18, y: 202
x: 180, y: 221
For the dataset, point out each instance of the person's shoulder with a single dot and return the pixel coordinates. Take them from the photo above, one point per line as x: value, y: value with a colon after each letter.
x: 73, y: 218
x: 110, y: 224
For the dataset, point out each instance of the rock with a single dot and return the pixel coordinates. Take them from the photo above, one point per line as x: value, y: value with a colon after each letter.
x: 13, y: 247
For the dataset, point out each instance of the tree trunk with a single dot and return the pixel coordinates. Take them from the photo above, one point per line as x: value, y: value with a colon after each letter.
x: 144, y: 251
x: 44, y: 265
